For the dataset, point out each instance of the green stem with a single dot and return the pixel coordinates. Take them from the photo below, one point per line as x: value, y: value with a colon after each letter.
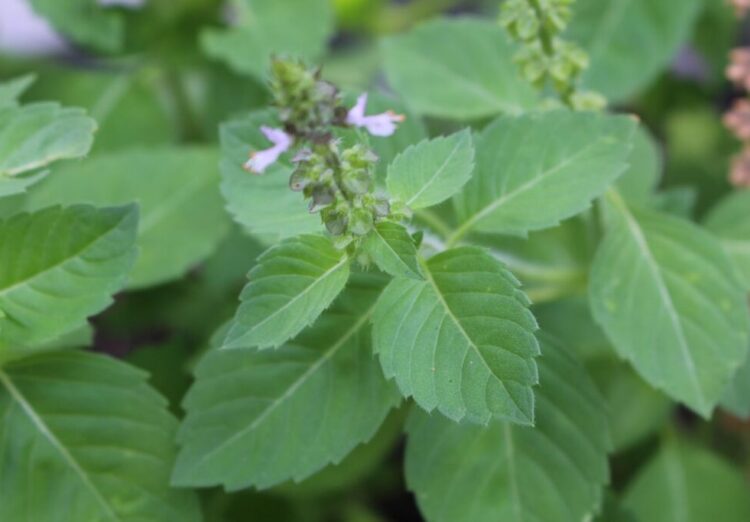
x: 434, y: 221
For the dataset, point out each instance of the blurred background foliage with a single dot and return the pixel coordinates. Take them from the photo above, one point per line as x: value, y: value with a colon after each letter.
x: 160, y: 76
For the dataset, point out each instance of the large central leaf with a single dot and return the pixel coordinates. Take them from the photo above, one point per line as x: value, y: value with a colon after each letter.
x: 552, y: 472
x: 462, y: 340
x: 263, y: 417
x: 83, y: 437
x: 535, y: 170
x: 669, y: 299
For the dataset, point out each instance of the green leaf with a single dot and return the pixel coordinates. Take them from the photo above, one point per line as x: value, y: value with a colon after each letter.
x: 736, y: 397
x: 460, y: 69
x: 259, y: 418
x: 630, y: 41
x: 177, y: 189
x: 85, y: 21
x: 19, y: 184
x: 290, y: 286
x: 59, y: 266
x: 687, y: 484
x: 296, y: 28
x: 35, y: 135
x: 432, y: 171
x: 84, y: 437
x: 11, y: 90
x: 537, y: 169
x: 639, y: 181
x: 461, y: 341
x: 552, y: 472
x: 672, y: 280
x: 393, y: 250
x: 730, y: 222
x: 263, y: 204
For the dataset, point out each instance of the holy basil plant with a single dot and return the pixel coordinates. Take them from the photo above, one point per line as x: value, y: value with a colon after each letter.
x: 468, y: 285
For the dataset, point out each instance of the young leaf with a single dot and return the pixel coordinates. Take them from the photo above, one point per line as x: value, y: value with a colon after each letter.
x: 736, y: 397
x: 622, y: 64
x: 472, y: 80
x: 730, y: 221
x: 177, y: 189
x: 432, y: 171
x: 262, y: 28
x: 291, y: 285
x: 259, y: 418
x: 537, y: 169
x: 667, y: 297
x: 87, y: 22
x: 690, y: 485
x: 462, y: 340
x: 84, y: 435
x: 35, y: 135
x: 59, y: 266
x: 552, y: 472
x: 11, y: 90
x: 393, y: 250
x: 264, y: 205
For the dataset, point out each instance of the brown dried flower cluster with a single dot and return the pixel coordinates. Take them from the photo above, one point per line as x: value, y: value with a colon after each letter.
x: 737, y: 119
x: 741, y: 7
x: 738, y: 70
x: 739, y: 174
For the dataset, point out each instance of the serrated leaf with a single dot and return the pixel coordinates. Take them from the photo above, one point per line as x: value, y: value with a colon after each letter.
x: 552, y: 472
x: 673, y: 281
x: 687, y: 484
x: 11, y: 90
x: 263, y: 205
x: 87, y: 22
x: 630, y: 42
x: 177, y: 190
x: 432, y: 171
x: 57, y: 267
x: 535, y: 170
x: 475, y: 79
x: 393, y: 250
x: 35, y: 135
x: 730, y: 222
x: 462, y: 340
x: 736, y: 397
x: 263, y: 28
x: 259, y: 418
x: 290, y: 286
x: 84, y: 437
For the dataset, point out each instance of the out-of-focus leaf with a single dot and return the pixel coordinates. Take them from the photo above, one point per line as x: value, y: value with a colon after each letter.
x: 687, y: 484
x: 439, y: 76
x: 736, y: 397
x: 84, y: 438
x: 11, y: 90
x: 670, y: 301
x: 59, y: 266
x: 262, y: 28
x: 552, y: 472
x: 462, y: 340
x: 177, y: 190
x: 678, y: 201
x: 263, y: 417
x: 630, y: 41
x: 536, y: 170
x: 643, y: 174
x: 35, y: 135
x: 730, y: 222
x: 87, y: 22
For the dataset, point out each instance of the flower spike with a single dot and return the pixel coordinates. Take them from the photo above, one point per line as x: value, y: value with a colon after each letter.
x: 383, y: 124
x: 260, y: 160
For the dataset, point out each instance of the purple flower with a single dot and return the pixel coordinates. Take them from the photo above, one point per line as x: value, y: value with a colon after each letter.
x: 260, y: 160
x: 383, y: 124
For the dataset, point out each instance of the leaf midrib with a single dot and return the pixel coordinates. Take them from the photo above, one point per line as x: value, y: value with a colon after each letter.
x: 643, y: 247
x: 48, y: 434
x: 437, y: 173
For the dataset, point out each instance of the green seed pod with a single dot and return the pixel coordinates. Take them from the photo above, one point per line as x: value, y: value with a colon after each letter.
x: 322, y: 197
x: 360, y: 221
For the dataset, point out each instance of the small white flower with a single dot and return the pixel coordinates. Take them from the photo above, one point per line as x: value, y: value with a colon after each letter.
x: 260, y: 160
x: 383, y: 124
